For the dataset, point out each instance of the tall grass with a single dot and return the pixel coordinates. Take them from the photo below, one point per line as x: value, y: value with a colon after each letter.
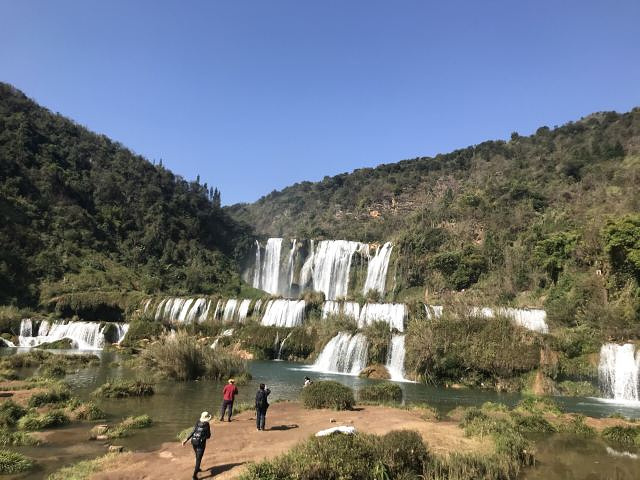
x: 328, y: 394
x: 182, y: 357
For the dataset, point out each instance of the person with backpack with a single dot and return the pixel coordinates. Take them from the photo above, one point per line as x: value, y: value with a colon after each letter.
x: 229, y: 393
x: 261, y: 406
x: 201, y: 432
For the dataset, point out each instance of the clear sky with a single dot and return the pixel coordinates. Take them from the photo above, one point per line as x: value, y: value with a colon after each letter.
x: 256, y: 95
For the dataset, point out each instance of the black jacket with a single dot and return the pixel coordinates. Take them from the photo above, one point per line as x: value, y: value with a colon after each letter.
x: 261, y: 399
x: 204, y: 432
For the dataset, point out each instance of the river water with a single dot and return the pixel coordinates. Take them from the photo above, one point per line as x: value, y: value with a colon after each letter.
x: 176, y: 405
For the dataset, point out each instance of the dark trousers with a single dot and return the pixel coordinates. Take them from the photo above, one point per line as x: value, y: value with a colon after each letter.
x: 225, y: 404
x: 261, y: 416
x: 199, y: 451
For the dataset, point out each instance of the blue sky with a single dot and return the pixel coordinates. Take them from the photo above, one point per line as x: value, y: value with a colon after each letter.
x: 256, y: 95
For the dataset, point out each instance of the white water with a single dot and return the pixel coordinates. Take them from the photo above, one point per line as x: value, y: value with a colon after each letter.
x: 377, y: 270
x: 331, y: 266
x: 618, y: 372
x: 330, y: 307
x: 270, y: 275
x: 306, y: 273
x: 392, y: 313
x: 291, y: 268
x: 257, y: 267
x: 6, y: 342
x: 532, y: 319
x: 84, y: 335
x: 227, y: 333
x: 344, y: 353
x: 433, y: 311
x: 395, y: 358
x: 279, y: 357
x: 229, y: 310
x: 284, y: 313
x: 243, y: 310
x: 183, y: 310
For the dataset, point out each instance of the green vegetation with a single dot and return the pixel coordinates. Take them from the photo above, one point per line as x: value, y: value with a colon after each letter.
x: 628, y: 436
x: 379, y: 337
x: 328, y: 394
x: 52, y: 396
x: 125, y: 427
x: 86, y: 411
x: 16, y: 439
x: 143, y: 327
x: 381, y: 392
x: 120, y: 388
x: 10, y: 413
x: 83, y: 470
x: 34, y: 421
x: 576, y: 426
x: 183, y: 357
x: 12, y: 462
x: 538, y: 405
x: 62, y: 344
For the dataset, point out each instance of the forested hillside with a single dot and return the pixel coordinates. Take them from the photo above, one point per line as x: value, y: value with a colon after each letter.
x: 81, y: 213
x: 550, y: 218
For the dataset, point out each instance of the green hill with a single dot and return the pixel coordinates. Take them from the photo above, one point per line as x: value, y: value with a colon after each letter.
x: 549, y: 219
x: 81, y: 213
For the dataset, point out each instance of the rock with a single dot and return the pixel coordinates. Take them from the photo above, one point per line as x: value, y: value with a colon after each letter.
x: 116, y: 448
x: 102, y: 437
x: 332, y: 420
x: 376, y: 371
x: 98, y: 431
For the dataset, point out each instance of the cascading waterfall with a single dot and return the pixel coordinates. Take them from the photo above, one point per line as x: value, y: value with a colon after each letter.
x: 243, y: 310
x: 392, y: 313
x: 306, y: 273
x: 433, y: 311
x: 532, y: 319
x: 330, y: 307
x: 619, y: 372
x: 377, y: 270
x: 270, y: 275
x: 279, y: 357
x: 182, y: 310
x: 351, y: 309
x: 331, y: 266
x: 6, y: 343
x: 229, y: 310
x: 84, y: 335
x: 344, y: 353
x: 348, y: 309
x: 291, y: 268
x: 227, y: 333
x: 284, y: 313
x: 395, y: 358
x: 257, y: 268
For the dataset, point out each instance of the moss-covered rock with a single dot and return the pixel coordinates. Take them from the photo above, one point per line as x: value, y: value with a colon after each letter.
x: 377, y: 372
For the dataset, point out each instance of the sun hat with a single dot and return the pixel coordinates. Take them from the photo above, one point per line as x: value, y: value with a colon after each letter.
x: 205, y: 417
x: 231, y: 380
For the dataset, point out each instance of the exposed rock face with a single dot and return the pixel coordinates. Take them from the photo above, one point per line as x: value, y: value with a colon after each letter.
x: 378, y: 372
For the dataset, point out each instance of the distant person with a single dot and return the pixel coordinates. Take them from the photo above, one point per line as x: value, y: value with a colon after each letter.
x: 229, y: 393
x: 201, y: 432
x: 261, y: 406
x: 307, y: 381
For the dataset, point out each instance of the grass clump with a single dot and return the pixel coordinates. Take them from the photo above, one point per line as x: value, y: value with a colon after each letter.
x: 49, y: 397
x: 576, y: 426
x: 381, y: 392
x: 125, y: 427
x: 12, y: 462
x: 533, y: 423
x: 52, y: 371
x: 88, y: 411
x: 182, y: 357
x: 83, y: 470
x: 538, y: 405
x: 328, y: 394
x: 124, y: 388
x: 34, y: 421
x: 622, y: 435
x: 10, y: 413
x: 16, y: 439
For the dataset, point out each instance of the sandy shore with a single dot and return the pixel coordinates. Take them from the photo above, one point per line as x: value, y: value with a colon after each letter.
x: 235, y: 444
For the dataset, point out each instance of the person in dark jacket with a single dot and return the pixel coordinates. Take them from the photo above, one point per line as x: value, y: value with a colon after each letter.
x: 201, y: 432
x: 261, y: 406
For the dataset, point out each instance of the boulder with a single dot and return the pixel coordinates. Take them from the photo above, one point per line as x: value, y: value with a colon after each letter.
x: 378, y: 372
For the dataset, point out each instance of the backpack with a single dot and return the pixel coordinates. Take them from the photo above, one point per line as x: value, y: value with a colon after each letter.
x: 198, y: 439
x: 261, y: 400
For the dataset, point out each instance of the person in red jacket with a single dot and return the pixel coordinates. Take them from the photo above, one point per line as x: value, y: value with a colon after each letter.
x: 229, y: 392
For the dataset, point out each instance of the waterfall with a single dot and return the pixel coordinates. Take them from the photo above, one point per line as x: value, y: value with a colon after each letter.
x: 196, y: 310
x: 391, y: 313
x: 284, y: 313
x: 330, y: 307
x: 84, y: 335
x: 395, y: 358
x: 229, y: 310
x: 257, y: 268
x: 184, y: 309
x: 227, y: 333
x: 344, y: 353
x: 619, y: 370
x: 6, y: 343
x: 331, y: 266
x: 243, y: 310
x: 216, y: 313
x: 291, y: 268
x: 433, y: 311
x: 306, y: 273
x: 279, y: 357
x: 377, y: 270
x: 146, y: 305
x: 348, y: 309
x: 271, y: 267
x: 351, y: 309
x: 535, y: 320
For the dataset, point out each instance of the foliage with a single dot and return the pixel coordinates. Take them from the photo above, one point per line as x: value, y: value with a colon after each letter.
x: 143, y: 327
x: 379, y: 337
x: 328, y: 394
x: 13, y: 462
x: 381, y: 392
x: 34, y: 421
x: 183, y: 357
x: 622, y: 243
x: 16, y: 439
x: 121, y: 388
x: 51, y: 396
x: 125, y: 427
x: 533, y: 424
x: 88, y: 411
x: 576, y: 426
x: 84, y: 469
x: 10, y: 413
x: 538, y: 405
x: 628, y: 436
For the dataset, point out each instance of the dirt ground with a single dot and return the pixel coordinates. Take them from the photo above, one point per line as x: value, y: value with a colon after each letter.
x: 235, y: 444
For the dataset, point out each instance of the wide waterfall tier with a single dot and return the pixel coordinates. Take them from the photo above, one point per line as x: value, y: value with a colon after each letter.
x: 348, y: 309
x: 395, y: 358
x: 618, y: 372
x: 284, y: 313
x: 83, y: 335
x: 344, y: 353
x: 392, y: 313
x: 377, y: 270
x: 532, y: 319
x: 181, y: 310
x: 289, y: 268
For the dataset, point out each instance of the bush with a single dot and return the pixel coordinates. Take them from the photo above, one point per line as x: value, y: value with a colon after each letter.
x: 379, y: 337
x: 49, y: 397
x: 88, y: 411
x: 124, y: 388
x: 62, y: 344
x: 328, y: 394
x: 10, y: 413
x: 16, y: 439
x: 12, y: 462
x: 34, y: 421
x: 142, y: 328
x: 381, y: 392
x: 627, y: 436
x: 403, y: 451
x: 182, y: 357
x: 539, y: 405
x: 533, y: 423
x: 52, y: 371
x: 124, y: 428
x: 576, y: 426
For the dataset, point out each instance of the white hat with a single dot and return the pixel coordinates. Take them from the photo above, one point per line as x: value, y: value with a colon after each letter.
x: 205, y: 417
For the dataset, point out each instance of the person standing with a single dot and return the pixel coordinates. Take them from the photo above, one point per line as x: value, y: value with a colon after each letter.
x: 201, y: 432
x: 261, y: 406
x: 229, y: 393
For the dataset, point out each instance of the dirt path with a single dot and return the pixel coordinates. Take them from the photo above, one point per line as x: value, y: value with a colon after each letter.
x: 236, y: 443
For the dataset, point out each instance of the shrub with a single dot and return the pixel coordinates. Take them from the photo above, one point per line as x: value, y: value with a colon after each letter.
x: 52, y: 371
x: 49, y: 397
x: 182, y: 357
x: 403, y: 451
x: 328, y: 394
x: 16, y: 439
x: 88, y: 411
x: 10, y: 413
x: 12, y: 462
x: 539, y: 405
x: 379, y: 337
x: 124, y: 388
x: 576, y: 426
x: 381, y: 392
x: 627, y: 436
x: 62, y: 344
x: 124, y: 428
x: 533, y: 423
x: 34, y: 421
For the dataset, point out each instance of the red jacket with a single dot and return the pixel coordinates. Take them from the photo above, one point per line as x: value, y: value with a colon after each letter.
x: 229, y: 391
